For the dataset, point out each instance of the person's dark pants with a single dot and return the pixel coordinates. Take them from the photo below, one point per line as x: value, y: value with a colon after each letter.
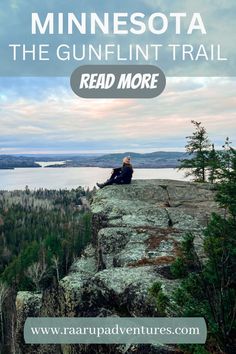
x: 113, y: 179
x: 115, y: 173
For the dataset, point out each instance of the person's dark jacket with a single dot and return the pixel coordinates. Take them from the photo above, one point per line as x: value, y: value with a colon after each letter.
x: 125, y: 174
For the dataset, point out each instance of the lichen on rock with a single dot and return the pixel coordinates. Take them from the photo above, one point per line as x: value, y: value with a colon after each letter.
x: 137, y: 231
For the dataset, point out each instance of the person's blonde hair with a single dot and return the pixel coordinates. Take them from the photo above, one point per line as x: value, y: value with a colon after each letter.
x: 126, y: 160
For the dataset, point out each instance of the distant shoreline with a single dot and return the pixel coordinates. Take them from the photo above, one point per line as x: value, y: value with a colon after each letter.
x: 107, y: 166
x: 89, y: 166
x: 159, y: 159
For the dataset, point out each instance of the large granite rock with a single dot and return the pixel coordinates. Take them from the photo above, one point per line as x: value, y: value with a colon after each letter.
x: 143, y: 223
x: 137, y: 230
x: 28, y: 304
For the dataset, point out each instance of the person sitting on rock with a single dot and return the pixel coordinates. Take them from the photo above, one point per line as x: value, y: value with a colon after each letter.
x: 122, y: 175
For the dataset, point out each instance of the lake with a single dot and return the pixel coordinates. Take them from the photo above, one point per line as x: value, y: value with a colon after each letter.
x: 72, y: 177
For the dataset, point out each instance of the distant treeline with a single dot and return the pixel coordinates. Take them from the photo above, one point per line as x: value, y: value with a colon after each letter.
x: 41, y: 233
x: 159, y: 159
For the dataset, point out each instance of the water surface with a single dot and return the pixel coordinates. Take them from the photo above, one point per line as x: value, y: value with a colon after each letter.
x: 72, y: 177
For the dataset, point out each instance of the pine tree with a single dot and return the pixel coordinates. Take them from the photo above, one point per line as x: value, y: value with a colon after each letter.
x: 197, y: 147
x: 227, y: 177
x: 213, y: 165
x: 209, y: 287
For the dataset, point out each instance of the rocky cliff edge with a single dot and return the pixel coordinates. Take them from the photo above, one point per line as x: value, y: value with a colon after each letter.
x: 137, y: 230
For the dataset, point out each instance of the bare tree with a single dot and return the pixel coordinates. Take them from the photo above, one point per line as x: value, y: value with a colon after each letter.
x: 13, y: 339
x: 36, y: 272
x: 4, y: 291
x: 56, y: 265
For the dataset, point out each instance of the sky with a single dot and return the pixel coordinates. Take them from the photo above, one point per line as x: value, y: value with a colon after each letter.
x: 218, y: 17
x: 43, y: 115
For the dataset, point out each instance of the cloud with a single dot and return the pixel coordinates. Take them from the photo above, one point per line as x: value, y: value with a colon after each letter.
x: 218, y: 17
x: 45, y: 114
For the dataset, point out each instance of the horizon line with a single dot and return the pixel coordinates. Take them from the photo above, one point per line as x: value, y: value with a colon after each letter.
x: 89, y: 152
